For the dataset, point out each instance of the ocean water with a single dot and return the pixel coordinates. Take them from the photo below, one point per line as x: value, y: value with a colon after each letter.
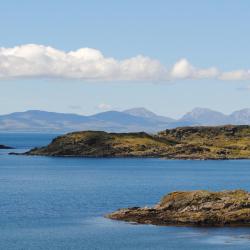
x: 60, y: 203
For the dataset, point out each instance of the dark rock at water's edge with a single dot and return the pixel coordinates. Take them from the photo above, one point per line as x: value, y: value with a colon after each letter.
x: 193, y: 208
x: 5, y: 147
x: 221, y: 142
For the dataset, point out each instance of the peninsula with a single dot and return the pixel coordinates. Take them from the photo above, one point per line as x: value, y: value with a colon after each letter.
x: 193, y: 208
x: 221, y: 142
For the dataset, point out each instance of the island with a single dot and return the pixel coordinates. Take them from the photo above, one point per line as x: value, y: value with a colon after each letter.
x: 201, y: 142
x: 5, y: 147
x: 193, y: 208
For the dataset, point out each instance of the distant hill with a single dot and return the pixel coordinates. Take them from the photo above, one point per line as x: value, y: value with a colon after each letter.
x: 142, y: 112
x: 131, y: 120
x: 42, y: 121
x: 203, y: 116
x: 240, y: 117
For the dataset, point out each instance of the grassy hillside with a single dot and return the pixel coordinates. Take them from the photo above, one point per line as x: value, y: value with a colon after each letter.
x: 102, y: 144
x: 224, y: 142
x: 210, y: 142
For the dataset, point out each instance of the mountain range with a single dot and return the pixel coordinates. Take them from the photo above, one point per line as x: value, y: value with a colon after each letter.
x: 136, y: 119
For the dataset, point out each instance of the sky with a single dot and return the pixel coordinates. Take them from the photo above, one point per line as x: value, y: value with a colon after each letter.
x: 91, y: 56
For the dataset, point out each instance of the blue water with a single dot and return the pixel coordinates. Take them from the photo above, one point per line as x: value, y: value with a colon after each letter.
x: 60, y: 203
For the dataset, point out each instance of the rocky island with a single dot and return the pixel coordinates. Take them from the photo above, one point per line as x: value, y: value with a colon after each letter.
x: 193, y: 208
x: 5, y: 147
x: 222, y: 142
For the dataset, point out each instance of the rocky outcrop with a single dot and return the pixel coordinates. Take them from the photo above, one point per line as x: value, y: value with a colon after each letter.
x: 194, y: 208
x: 5, y: 147
x: 224, y: 142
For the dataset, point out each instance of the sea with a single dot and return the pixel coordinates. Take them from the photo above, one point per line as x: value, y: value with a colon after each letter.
x: 61, y: 202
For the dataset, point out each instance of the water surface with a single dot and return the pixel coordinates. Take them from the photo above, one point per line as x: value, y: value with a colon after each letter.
x: 59, y: 203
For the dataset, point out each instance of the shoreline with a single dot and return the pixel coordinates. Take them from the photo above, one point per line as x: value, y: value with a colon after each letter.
x: 129, y: 157
x: 192, y: 208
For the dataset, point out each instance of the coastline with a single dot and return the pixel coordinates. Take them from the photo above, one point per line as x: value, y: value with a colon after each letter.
x: 192, y: 208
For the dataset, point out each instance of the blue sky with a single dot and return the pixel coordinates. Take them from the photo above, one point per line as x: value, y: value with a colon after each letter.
x: 207, y: 33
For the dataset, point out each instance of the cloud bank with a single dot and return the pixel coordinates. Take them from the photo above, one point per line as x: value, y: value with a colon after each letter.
x: 36, y: 61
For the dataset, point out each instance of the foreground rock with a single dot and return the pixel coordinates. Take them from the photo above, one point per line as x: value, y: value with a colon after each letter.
x: 222, y: 142
x: 5, y: 147
x: 201, y: 208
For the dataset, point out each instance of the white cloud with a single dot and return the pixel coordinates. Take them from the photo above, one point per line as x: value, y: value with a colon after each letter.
x: 37, y: 60
x: 34, y: 60
x: 239, y: 75
x: 104, y: 106
x: 184, y: 70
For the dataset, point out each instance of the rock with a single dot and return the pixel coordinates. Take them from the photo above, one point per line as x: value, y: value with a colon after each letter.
x: 5, y: 147
x: 193, y: 208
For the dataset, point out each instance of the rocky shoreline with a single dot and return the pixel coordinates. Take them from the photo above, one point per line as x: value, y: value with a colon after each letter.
x: 192, y: 208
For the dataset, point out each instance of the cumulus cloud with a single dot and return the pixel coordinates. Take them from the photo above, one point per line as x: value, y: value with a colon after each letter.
x: 184, y: 70
x: 34, y: 60
x: 37, y: 60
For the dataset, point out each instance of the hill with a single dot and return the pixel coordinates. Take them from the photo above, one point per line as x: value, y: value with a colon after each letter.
x: 222, y: 142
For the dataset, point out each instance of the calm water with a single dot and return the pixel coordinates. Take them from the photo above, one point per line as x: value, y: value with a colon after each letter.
x: 59, y: 203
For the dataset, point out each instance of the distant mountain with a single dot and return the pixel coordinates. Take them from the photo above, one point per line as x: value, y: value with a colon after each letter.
x: 36, y: 120
x: 142, y: 112
x: 137, y: 119
x: 240, y: 117
x: 120, y: 117
x: 42, y: 121
x: 204, y: 116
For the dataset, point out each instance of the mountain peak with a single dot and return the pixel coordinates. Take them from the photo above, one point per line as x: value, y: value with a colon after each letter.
x: 199, y: 110
x: 205, y: 116
x: 241, y: 116
x: 243, y: 111
x: 140, y: 111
